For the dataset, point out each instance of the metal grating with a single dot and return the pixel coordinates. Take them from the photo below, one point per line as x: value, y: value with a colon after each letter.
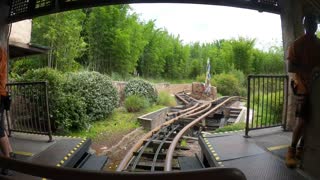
x: 18, y: 7
x: 268, y: 2
x: 44, y: 3
x: 29, y: 7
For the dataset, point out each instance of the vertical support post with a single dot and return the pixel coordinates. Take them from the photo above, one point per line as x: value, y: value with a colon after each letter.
x: 48, y: 113
x: 286, y: 103
x: 248, y: 109
x: 292, y: 28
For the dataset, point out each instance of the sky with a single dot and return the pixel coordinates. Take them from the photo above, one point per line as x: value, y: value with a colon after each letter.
x: 206, y: 23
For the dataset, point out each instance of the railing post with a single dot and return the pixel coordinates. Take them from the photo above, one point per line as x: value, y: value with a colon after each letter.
x: 248, y: 109
x: 48, y: 112
x: 286, y: 89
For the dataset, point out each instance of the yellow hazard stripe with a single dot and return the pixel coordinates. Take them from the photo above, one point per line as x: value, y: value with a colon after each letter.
x: 23, y: 153
x: 274, y: 148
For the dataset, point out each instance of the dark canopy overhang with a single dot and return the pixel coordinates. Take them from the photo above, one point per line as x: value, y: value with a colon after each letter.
x: 27, y: 9
x: 17, y: 49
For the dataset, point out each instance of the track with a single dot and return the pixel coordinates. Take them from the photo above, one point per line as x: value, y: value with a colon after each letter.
x: 156, y: 151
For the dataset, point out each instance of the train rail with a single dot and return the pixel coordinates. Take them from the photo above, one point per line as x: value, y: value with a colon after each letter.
x: 156, y: 151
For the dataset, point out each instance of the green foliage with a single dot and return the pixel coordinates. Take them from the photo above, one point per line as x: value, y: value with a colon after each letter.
x: 228, y: 85
x: 135, y: 103
x: 71, y: 114
x: 62, y: 33
x: 141, y: 88
x: 232, y: 127
x: 115, y: 39
x: 21, y: 66
x: 270, y: 106
x: 201, y: 78
x: 183, y: 143
x: 97, y: 90
x: 56, y: 82
x: 165, y: 99
x: 77, y: 100
x: 119, y: 122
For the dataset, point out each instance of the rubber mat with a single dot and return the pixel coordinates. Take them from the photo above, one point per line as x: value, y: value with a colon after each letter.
x: 189, y: 163
x: 233, y: 147
x: 30, y: 146
x: 264, y: 167
x: 54, y: 154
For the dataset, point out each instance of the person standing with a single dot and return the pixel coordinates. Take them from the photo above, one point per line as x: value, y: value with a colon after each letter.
x: 5, y: 145
x: 304, y: 56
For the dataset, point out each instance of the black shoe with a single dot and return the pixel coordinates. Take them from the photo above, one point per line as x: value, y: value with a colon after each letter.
x: 12, y: 155
x: 7, y: 172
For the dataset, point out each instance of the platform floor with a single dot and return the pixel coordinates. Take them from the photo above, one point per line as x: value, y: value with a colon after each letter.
x: 260, y: 157
x: 62, y: 152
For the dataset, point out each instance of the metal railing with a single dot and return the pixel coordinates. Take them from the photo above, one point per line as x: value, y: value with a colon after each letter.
x: 29, y: 110
x: 267, y: 102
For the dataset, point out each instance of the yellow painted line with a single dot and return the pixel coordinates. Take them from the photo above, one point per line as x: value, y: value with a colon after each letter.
x: 65, y: 158
x: 69, y: 155
x: 213, y: 151
x: 58, y: 165
x: 215, y: 154
x: 62, y: 161
x: 217, y: 158
x: 71, y: 152
x: 277, y: 147
x: 23, y: 153
x: 44, y: 179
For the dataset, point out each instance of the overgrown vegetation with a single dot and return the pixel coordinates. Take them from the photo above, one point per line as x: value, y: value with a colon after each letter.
x: 114, y: 41
x: 97, y: 92
x: 232, y: 127
x: 120, y: 121
x: 166, y: 99
x: 141, y: 88
x: 135, y: 103
x: 76, y: 99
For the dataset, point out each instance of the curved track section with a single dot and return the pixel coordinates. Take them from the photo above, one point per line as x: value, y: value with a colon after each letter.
x: 156, y: 150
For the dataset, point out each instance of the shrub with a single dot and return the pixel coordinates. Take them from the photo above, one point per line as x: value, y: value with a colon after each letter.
x: 56, y: 95
x: 166, y: 99
x: 97, y: 90
x: 228, y: 85
x: 201, y: 78
x: 141, y: 88
x: 135, y: 103
x: 71, y: 113
x: 21, y: 66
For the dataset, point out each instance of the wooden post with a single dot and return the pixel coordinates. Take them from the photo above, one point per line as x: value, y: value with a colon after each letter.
x: 292, y: 28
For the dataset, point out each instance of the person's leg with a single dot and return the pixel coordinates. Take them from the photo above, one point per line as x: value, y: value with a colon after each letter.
x: 5, y: 146
x: 297, y: 132
x: 301, y: 113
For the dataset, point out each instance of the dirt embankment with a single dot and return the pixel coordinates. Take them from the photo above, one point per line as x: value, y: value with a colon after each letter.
x: 116, y: 146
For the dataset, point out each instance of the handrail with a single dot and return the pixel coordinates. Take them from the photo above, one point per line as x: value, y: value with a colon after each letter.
x: 265, y: 92
x: 63, y: 173
x: 169, y: 156
x: 29, y: 110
